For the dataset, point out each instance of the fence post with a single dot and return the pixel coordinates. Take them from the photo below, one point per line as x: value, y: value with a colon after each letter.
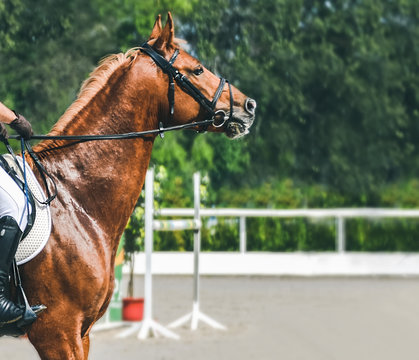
x: 196, y: 314
x: 340, y: 234
x: 243, y: 239
x: 148, y: 243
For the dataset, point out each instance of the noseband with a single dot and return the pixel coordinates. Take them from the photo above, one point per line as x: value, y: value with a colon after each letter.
x: 217, y: 118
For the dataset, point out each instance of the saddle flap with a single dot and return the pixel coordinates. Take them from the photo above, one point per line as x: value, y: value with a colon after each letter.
x: 39, y: 234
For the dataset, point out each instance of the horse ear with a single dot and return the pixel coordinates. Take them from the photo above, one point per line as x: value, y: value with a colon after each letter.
x: 155, y: 33
x: 166, y: 38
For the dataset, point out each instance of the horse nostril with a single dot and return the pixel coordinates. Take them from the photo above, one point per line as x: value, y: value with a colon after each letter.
x: 250, y: 106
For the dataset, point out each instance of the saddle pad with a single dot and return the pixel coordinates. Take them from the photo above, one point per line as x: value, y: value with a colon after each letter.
x: 38, y: 237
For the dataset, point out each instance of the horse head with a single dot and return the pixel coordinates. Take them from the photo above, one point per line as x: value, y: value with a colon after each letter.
x: 196, y: 94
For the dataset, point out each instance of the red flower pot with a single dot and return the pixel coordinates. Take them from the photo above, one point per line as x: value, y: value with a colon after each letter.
x: 132, y: 309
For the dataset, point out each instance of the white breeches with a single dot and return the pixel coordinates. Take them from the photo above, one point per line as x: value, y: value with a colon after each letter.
x: 13, y: 200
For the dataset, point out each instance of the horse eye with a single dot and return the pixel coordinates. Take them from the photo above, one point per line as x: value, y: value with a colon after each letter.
x: 198, y: 71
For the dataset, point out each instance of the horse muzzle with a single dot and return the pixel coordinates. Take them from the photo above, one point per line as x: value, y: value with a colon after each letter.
x: 241, y: 121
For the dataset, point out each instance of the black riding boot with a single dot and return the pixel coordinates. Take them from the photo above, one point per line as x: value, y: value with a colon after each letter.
x: 10, y: 235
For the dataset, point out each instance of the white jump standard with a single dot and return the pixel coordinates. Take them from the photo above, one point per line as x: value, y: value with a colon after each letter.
x: 196, y: 315
x: 148, y: 327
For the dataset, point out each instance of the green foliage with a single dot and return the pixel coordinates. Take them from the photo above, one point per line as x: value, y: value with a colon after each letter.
x: 336, y: 84
x: 178, y: 195
x: 9, y: 23
x: 55, y: 46
x: 301, y: 234
x: 134, y: 231
x: 133, y: 20
x: 47, y: 49
x: 383, y: 235
x: 220, y: 236
x: 297, y: 234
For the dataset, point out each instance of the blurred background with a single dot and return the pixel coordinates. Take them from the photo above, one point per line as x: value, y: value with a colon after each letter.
x: 337, y: 86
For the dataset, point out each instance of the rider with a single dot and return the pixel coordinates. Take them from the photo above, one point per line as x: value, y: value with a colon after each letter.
x: 13, y: 218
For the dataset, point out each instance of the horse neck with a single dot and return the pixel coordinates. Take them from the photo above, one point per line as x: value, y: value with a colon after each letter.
x: 104, y: 178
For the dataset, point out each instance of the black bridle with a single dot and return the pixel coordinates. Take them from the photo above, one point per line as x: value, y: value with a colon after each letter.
x: 217, y: 118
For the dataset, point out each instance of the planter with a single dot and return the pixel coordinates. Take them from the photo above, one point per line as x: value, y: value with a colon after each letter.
x: 132, y: 309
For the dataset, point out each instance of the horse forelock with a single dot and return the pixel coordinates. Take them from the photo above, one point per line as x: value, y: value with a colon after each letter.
x: 93, y: 84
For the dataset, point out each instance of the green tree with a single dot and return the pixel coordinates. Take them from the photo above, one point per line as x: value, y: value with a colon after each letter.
x: 56, y: 44
x: 336, y: 84
x: 9, y: 23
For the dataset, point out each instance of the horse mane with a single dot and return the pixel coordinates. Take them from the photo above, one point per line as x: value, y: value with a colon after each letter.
x: 97, y: 79
x: 93, y: 84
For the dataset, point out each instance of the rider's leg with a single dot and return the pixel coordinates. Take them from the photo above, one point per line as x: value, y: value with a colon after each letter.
x: 10, y: 235
x: 13, y: 200
x: 13, y: 219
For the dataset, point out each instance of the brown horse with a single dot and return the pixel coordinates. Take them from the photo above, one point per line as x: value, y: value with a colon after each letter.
x: 99, y: 182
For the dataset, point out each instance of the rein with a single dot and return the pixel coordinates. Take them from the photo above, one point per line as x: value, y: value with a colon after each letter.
x: 130, y: 135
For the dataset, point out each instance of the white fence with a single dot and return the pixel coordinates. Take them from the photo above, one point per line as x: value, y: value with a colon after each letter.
x: 339, y: 214
x: 252, y: 263
x: 340, y: 262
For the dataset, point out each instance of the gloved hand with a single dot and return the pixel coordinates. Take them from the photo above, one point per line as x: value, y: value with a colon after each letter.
x: 22, y: 126
x: 3, y: 132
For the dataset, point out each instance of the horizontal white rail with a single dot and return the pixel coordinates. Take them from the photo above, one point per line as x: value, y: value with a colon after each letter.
x: 340, y: 214
x: 288, y: 213
x: 293, y: 264
x: 175, y: 225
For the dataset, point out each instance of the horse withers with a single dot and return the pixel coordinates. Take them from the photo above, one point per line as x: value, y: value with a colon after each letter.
x: 99, y: 182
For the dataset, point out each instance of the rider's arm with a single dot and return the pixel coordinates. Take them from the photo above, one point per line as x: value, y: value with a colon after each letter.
x: 16, y: 122
x: 6, y: 115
